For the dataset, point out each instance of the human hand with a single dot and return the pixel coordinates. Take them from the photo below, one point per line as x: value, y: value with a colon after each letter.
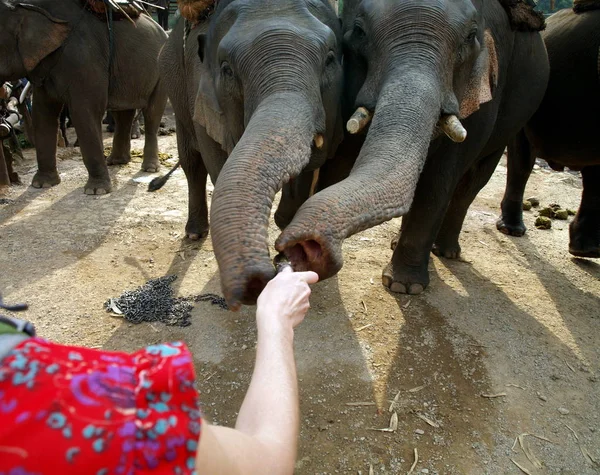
x: 284, y: 302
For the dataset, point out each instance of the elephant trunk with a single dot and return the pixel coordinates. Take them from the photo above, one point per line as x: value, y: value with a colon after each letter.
x: 276, y: 146
x: 382, y: 183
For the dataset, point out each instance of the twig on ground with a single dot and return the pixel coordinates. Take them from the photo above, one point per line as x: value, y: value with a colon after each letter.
x: 394, y: 403
x: 528, y: 453
x: 569, y: 366
x: 523, y: 469
x: 364, y: 327
x: 490, y: 396
x: 511, y: 385
x: 364, y: 305
x: 412, y: 467
x: 355, y: 404
x: 416, y: 390
x: 427, y: 420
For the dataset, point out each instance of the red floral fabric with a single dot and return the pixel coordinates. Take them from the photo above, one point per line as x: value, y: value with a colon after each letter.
x: 67, y: 410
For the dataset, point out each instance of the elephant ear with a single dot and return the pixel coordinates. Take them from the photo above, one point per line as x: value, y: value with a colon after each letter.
x: 40, y: 34
x: 484, y: 78
x: 207, y: 110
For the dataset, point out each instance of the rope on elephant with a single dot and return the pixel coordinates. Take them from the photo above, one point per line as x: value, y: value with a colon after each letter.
x: 154, y: 302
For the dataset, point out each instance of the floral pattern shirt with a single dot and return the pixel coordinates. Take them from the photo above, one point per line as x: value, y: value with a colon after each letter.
x: 67, y: 409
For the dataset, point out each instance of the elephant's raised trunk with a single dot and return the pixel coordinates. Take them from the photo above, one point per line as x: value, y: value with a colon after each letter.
x: 276, y: 146
x: 382, y: 183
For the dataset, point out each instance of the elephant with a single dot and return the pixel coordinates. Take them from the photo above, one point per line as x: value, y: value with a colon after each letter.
x: 564, y: 130
x: 256, y: 92
x: 66, y: 51
x: 414, y: 70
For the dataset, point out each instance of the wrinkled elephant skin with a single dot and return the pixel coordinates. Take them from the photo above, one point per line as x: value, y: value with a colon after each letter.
x: 448, y: 83
x: 256, y: 93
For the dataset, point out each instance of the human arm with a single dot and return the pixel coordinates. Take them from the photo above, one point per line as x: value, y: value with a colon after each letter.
x: 266, y: 433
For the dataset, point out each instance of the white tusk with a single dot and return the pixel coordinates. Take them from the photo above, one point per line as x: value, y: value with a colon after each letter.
x: 453, y: 128
x: 319, y: 141
x: 359, y: 120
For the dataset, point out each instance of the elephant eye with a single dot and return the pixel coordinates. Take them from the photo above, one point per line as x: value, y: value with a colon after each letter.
x: 358, y: 32
x: 330, y: 58
x: 472, y: 36
x: 226, y: 69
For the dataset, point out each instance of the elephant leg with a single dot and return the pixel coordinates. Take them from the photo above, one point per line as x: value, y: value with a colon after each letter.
x: 407, y: 272
x: 446, y: 243
x: 293, y: 195
x: 4, y: 176
x: 45, y: 115
x: 520, y: 163
x: 152, y: 117
x: 87, y: 120
x: 121, y: 146
x: 584, y: 231
x: 196, y: 174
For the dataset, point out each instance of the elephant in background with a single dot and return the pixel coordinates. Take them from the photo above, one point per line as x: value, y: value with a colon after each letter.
x: 564, y: 130
x: 420, y: 67
x: 63, y: 49
x: 256, y: 91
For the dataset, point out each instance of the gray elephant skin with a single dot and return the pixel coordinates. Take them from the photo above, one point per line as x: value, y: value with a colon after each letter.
x: 63, y: 50
x: 256, y: 91
x: 416, y: 64
x: 564, y: 131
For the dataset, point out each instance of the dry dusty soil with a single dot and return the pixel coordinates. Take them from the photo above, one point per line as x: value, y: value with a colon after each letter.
x: 504, y: 342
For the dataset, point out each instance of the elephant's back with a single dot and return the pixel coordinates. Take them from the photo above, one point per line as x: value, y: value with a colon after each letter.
x: 135, y: 62
x: 565, y: 127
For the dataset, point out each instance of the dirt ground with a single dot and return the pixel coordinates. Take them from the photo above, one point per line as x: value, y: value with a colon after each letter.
x: 514, y: 318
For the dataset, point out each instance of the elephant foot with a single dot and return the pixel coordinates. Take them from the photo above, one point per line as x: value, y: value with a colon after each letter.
x: 97, y: 186
x: 45, y: 179
x: 118, y: 159
x: 584, y: 240
x: 151, y: 165
x: 516, y: 229
x: 405, y: 281
x: 449, y: 251
x: 196, y: 232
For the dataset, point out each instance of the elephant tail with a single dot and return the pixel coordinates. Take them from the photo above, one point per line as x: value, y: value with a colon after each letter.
x: 158, y: 182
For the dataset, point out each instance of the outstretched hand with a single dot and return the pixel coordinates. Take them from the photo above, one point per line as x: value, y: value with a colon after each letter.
x: 284, y: 302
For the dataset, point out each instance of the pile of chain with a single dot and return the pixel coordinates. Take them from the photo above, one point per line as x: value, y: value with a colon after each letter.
x: 154, y: 302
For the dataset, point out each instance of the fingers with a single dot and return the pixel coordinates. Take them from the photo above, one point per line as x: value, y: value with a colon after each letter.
x: 309, y: 277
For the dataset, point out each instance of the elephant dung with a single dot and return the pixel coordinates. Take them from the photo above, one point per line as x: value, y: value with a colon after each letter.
x: 547, y: 212
x: 571, y: 212
x: 527, y: 205
x: 543, y: 222
x: 561, y: 214
x: 535, y: 202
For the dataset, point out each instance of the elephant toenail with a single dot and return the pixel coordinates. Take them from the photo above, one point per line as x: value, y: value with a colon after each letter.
x: 398, y: 288
x: 386, y: 280
x: 415, y: 289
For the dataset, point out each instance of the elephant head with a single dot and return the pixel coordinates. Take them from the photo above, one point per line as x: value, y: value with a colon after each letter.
x: 269, y: 94
x: 28, y: 34
x: 417, y: 66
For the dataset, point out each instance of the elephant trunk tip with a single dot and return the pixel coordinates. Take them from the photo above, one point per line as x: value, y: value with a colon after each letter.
x: 247, y: 287
x: 309, y: 253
